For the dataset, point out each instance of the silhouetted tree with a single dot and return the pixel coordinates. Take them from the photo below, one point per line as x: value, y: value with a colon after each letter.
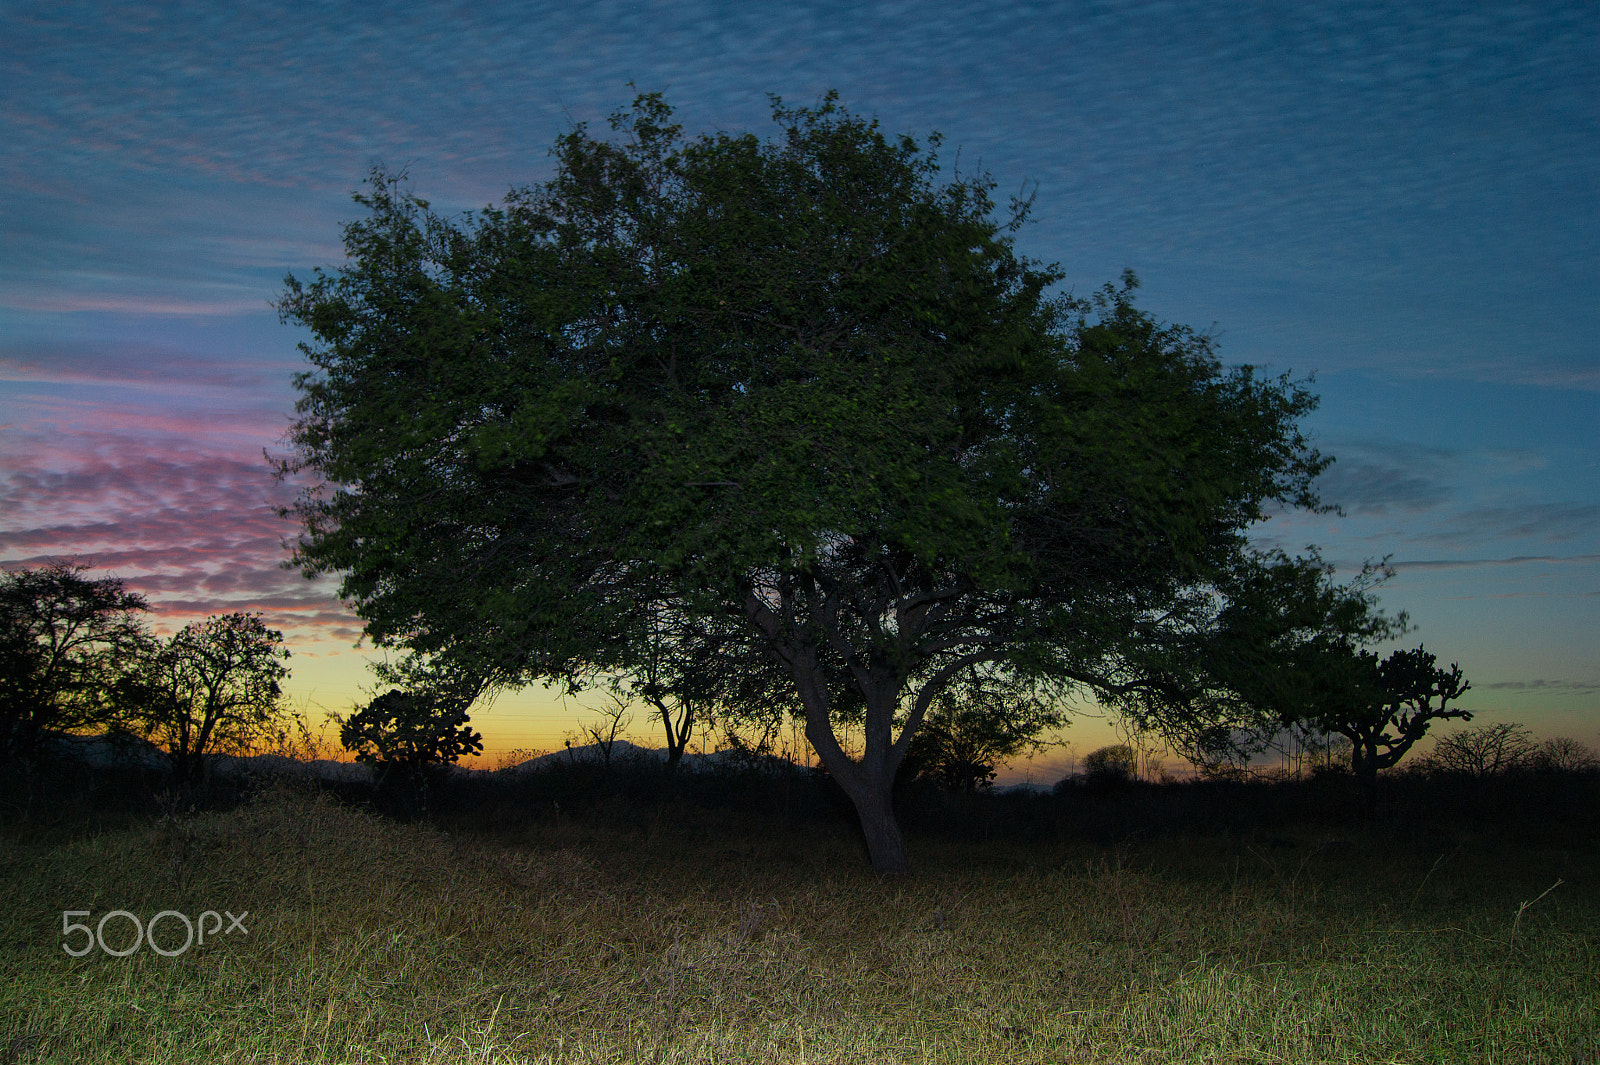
x: 215, y: 684
x: 1286, y: 651
x: 686, y: 669
x: 1233, y: 679
x: 1563, y: 754
x: 405, y: 735
x: 1116, y: 764
x: 65, y: 639
x: 613, y: 721
x: 1484, y: 751
x: 974, y: 727
x: 1383, y: 708
x: 803, y: 390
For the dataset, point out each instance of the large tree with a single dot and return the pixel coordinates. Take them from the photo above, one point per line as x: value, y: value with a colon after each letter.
x: 801, y: 392
x: 65, y: 638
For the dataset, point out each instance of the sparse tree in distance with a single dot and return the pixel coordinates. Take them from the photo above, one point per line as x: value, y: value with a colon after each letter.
x: 1484, y: 751
x: 683, y: 668
x: 65, y: 639
x: 803, y: 390
x: 215, y: 684
x: 678, y: 695
x: 613, y: 721
x: 1563, y: 754
x: 1117, y: 763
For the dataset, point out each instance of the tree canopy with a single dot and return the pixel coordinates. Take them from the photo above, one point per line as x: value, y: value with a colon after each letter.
x: 1290, y: 649
x: 215, y: 683
x: 802, y: 394
x: 65, y: 639
x: 401, y: 729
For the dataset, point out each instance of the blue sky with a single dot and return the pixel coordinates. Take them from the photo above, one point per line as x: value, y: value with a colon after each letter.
x: 1401, y: 198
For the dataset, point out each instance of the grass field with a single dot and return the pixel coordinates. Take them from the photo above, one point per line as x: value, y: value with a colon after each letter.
x: 674, y: 930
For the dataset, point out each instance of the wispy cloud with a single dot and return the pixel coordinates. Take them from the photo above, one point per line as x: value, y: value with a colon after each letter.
x: 115, y: 303
x: 143, y: 365
x: 1471, y: 563
x: 1378, y: 477
x: 1544, y: 522
x: 1372, y: 488
x: 1570, y: 687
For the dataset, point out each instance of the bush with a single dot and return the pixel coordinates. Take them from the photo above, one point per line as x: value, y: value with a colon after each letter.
x: 407, y: 737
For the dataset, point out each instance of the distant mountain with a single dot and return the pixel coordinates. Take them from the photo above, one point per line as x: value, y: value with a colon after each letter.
x: 625, y: 753
x: 122, y: 750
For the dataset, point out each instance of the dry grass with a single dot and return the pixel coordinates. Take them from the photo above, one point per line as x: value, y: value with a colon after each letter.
x: 675, y: 936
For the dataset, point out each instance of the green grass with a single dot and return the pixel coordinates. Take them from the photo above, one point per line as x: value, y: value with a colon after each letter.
x: 671, y: 932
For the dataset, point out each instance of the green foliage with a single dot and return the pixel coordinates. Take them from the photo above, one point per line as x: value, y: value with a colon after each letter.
x: 215, y: 685
x: 64, y: 642
x: 801, y: 395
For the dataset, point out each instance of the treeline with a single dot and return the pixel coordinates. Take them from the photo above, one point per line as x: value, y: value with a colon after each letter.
x: 77, y: 655
x: 1505, y: 749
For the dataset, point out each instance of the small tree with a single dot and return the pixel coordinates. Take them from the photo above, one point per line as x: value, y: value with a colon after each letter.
x: 1388, y: 713
x: 1382, y: 707
x: 64, y: 642
x: 402, y: 734
x: 215, y: 684
x: 1563, y: 754
x: 1287, y: 651
x: 682, y: 670
x: 974, y: 728
x: 1485, y: 751
x: 1118, y: 763
x: 613, y: 721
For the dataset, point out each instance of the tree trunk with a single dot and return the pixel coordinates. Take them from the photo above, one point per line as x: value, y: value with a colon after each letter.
x: 868, y: 782
x: 1364, y: 764
x: 885, y: 845
x: 677, y: 737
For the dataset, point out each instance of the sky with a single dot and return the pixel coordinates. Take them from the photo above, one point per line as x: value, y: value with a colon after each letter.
x: 1402, y: 199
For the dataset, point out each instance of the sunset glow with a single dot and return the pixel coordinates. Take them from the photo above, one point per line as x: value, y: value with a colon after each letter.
x: 1401, y: 202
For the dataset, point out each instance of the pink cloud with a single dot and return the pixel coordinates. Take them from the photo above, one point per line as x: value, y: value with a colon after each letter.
x: 200, y: 421
x: 141, y: 365
x: 95, y: 302
x: 194, y: 528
